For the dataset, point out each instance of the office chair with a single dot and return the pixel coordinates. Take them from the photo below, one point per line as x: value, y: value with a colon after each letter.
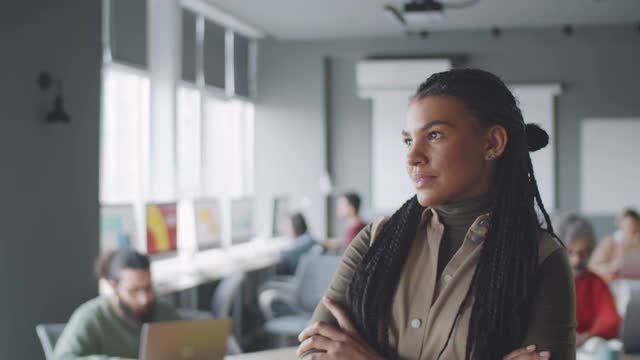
x: 221, y: 305
x: 313, y: 279
x: 48, y: 335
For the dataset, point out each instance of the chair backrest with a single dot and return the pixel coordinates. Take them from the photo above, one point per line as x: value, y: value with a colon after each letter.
x: 48, y: 335
x: 224, y: 295
x: 316, y: 250
x: 314, y: 280
x: 631, y: 324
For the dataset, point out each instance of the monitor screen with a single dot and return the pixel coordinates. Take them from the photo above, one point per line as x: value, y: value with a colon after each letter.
x: 241, y: 220
x: 281, y: 214
x: 208, y: 216
x: 161, y: 228
x: 117, y: 227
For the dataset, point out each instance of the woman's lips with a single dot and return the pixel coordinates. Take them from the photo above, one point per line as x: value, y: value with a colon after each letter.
x: 421, y: 181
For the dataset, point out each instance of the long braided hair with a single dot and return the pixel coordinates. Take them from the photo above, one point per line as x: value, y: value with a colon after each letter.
x: 504, y: 280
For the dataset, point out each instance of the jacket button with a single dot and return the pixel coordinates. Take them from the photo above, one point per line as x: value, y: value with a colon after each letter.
x: 416, y: 323
x: 447, y: 278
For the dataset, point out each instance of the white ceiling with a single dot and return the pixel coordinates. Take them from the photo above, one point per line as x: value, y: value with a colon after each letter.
x: 322, y: 19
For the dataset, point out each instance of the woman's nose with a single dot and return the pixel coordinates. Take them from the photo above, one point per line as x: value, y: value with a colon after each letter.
x: 415, y: 156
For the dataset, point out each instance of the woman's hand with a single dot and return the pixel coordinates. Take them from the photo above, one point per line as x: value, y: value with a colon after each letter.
x: 527, y: 353
x: 342, y: 343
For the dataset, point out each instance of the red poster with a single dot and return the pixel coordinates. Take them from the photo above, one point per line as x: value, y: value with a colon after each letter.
x: 161, y: 228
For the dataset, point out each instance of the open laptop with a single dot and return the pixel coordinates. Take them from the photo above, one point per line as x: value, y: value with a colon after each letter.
x: 185, y: 340
x: 630, y: 266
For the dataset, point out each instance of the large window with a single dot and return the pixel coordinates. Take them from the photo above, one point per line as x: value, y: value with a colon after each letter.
x: 189, y: 136
x: 123, y: 155
x: 215, y: 146
x: 212, y: 132
x: 125, y: 128
x: 228, y: 148
x: 215, y: 153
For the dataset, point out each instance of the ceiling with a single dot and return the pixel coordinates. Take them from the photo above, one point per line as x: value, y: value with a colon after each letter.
x: 331, y: 19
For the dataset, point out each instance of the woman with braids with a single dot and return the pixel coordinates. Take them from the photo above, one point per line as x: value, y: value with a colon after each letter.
x: 464, y: 269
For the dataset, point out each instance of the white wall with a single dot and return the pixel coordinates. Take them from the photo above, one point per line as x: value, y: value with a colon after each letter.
x: 537, y: 103
x: 610, y: 170
x: 290, y: 136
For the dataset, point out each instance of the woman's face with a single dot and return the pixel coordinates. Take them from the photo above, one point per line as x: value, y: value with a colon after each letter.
x: 291, y: 230
x: 629, y: 226
x: 446, y: 150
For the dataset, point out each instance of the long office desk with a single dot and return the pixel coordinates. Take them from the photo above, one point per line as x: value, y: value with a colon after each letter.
x: 186, y: 271
x: 279, y: 354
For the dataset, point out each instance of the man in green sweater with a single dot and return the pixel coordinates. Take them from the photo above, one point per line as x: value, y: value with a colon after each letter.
x: 110, y: 327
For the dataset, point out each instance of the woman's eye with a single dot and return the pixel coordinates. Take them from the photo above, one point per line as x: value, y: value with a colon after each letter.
x: 435, y: 135
x: 407, y: 141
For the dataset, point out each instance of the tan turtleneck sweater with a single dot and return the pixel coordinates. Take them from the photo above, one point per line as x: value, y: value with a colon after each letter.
x: 437, y: 274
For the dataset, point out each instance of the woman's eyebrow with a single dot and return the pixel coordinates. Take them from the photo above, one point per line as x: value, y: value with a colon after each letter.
x: 429, y: 125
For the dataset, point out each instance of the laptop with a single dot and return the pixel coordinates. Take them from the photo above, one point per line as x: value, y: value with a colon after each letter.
x: 630, y: 265
x: 185, y: 340
x: 630, y: 330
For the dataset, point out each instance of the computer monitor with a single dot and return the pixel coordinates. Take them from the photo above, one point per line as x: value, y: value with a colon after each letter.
x: 241, y: 220
x: 162, y: 228
x: 117, y: 227
x: 192, y: 340
x: 280, y: 217
x: 208, y: 220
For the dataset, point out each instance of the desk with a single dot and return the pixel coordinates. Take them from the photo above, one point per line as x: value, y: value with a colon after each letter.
x: 280, y: 354
x: 190, y: 270
x: 622, y: 289
x: 186, y: 271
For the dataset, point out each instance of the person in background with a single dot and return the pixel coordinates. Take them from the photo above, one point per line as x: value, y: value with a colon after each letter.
x: 595, y: 309
x: 607, y: 258
x: 349, y: 211
x: 110, y: 327
x: 303, y: 243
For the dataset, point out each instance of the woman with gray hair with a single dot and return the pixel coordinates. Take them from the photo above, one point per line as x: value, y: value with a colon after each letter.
x: 570, y: 227
x: 595, y: 309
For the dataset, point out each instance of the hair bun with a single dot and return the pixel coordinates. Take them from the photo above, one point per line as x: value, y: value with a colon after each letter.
x: 537, y: 138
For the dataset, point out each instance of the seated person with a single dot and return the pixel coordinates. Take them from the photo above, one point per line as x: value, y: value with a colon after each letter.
x: 607, y: 258
x: 596, y: 312
x: 303, y: 243
x: 110, y: 327
x: 349, y: 211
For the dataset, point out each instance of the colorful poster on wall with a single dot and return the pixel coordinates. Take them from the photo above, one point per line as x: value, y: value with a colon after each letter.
x: 117, y: 227
x: 161, y: 228
x: 208, y: 223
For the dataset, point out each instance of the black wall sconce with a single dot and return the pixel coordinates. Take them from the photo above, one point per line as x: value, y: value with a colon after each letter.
x: 58, y: 114
x: 567, y: 30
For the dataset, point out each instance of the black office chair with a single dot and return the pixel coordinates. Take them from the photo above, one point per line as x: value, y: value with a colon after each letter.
x: 49, y: 335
